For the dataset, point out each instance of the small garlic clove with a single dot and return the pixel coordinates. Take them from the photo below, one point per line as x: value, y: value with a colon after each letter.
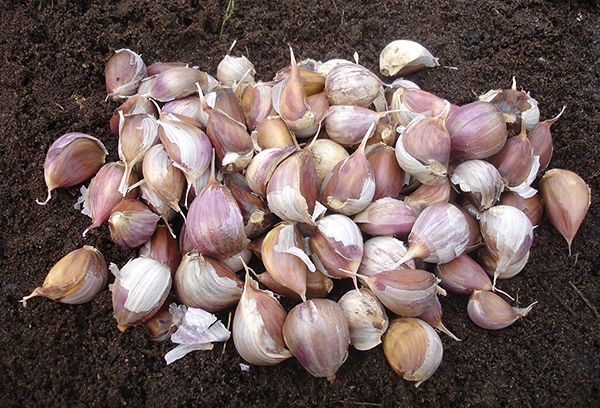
x: 567, y: 199
x: 351, y: 84
x: 533, y: 207
x: 163, y: 247
x: 389, y: 176
x: 317, y: 334
x: 433, y: 317
x: 173, y: 84
x: 72, y: 159
x: 123, y: 73
x: 480, y: 181
x: 401, y: 57
x: 462, y: 275
x: 540, y: 139
x: 490, y: 311
x: 386, y: 216
x: 413, y: 349
x: 232, y: 70
x: 327, y: 154
x: 139, y: 290
x: 382, y: 254
x: 131, y: 223
x: 164, y: 179
x: 75, y: 279
x: 205, y: 283
x: 257, y: 326
x: 366, y: 316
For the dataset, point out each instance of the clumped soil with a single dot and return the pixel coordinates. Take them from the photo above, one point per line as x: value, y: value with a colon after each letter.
x: 51, y: 82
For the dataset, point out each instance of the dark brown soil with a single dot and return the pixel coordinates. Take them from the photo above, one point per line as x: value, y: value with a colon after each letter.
x: 52, y: 82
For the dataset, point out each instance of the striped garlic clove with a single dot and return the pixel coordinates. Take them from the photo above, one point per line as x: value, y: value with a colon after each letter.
x: 351, y: 84
x: 386, y: 216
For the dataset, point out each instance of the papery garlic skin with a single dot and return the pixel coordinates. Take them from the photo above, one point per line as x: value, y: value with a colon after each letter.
x: 366, y: 317
x: 72, y: 159
x: 140, y: 289
x: 317, y: 334
x: 413, y: 349
x: 75, y: 279
x: 401, y: 57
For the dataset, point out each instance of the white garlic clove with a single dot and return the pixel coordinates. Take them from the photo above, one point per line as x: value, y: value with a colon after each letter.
x: 123, y: 73
x: 413, y: 349
x: 75, y: 279
x: 480, y: 181
x: 382, y: 254
x: 232, y: 70
x: 131, y: 223
x: 351, y: 84
x: 402, y: 57
x: 139, y: 290
x: 327, y: 154
x: 386, y: 216
x: 317, y: 334
x: 173, y: 84
x: 490, y: 311
x: 366, y: 317
x: 72, y: 159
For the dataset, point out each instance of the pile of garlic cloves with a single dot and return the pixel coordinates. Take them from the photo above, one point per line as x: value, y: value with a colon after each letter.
x: 322, y: 174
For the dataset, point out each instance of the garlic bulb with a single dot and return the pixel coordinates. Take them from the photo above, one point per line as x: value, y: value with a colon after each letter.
x: 413, y: 349
x: 402, y: 57
x: 366, y: 317
x: 317, y: 334
x: 75, y: 279
x: 72, y: 159
x: 490, y: 311
x: 140, y: 289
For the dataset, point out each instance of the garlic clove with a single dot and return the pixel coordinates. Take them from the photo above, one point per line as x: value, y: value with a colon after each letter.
x: 533, y: 207
x: 156, y: 204
x: 232, y: 70
x: 272, y: 132
x: 433, y: 317
x: 426, y: 195
x: 382, y: 254
x: 164, y: 179
x: 75, y: 279
x: 317, y: 286
x: 401, y: 57
x: 131, y: 223
x: 366, y: 316
x: 72, y: 159
x: 475, y: 238
x: 188, y: 110
x: 480, y: 181
x: 163, y: 247
x: 161, y: 325
x: 205, y: 283
x: 389, y: 176
x: 567, y: 199
x: 133, y: 105
x: 257, y: 326
x: 123, y: 73
x: 139, y: 290
x: 263, y: 165
x: 317, y: 334
x: 351, y: 84
x: 223, y: 99
x: 518, y: 107
x: 312, y: 81
x: 327, y: 154
x: 256, y: 103
x: 408, y: 103
x: 347, y: 124
x: 540, y: 139
x: 462, y: 275
x: 386, y: 216
x: 413, y: 349
x: 174, y: 83
x: 490, y: 311
x: 158, y: 67
x: 237, y: 261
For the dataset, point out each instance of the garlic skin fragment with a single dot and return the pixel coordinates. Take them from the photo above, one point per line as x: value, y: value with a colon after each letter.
x: 490, y: 311
x: 366, y: 317
x: 139, y: 290
x: 567, y: 199
x: 403, y: 57
x: 75, y: 279
x: 413, y: 349
x: 317, y: 334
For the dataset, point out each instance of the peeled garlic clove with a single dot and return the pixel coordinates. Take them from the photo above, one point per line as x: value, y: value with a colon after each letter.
x: 508, y: 235
x: 413, y: 349
x: 386, y: 216
x: 480, y: 181
x: 317, y: 334
x: 102, y: 194
x: 131, y: 223
x: 533, y: 207
x: 327, y: 154
x: 402, y: 57
x: 350, y: 185
x: 123, y: 73
x: 426, y: 195
x: 206, y: 283
x: 351, y: 84
x: 567, y: 199
x: 163, y: 247
x: 140, y: 289
x: 540, y: 139
x: 164, y: 179
x: 462, y: 276
x: 477, y: 130
x: 173, y: 84
x: 366, y: 316
x: 490, y: 311
x: 406, y: 292
x: 72, y: 159
x: 77, y: 278
x: 337, y: 246
x: 382, y: 254
x: 257, y: 326
x: 389, y: 176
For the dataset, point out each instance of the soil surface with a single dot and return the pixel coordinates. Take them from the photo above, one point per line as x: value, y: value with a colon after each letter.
x: 52, y: 82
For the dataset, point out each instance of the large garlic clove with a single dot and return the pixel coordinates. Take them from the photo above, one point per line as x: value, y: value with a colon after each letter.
x: 317, y: 334
x: 223, y: 99
x: 508, y: 235
x: 350, y: 185
x: 347, y: 124
x: 206, y: 283
x: 406, y: 292
x: 72, y: 159
x: 102, y: 194
x: 327, y: 154
x: 366, y: 318
x: 123, y: 73
x: 533, y: 207
x: 401, y: 57
x: 131, y: 223
x: 413, y: 349
x: 139, y: 290
x: 75, y: 279
x: 257, y: 326
x: 386, y: 216
x: 433, y: 317
x: 389, y: 176
x: 337, y: 246
x: 480, y: 181
x: 163, y: 247
x: 232, y: 70
x: 137, y: 134
x: 382, y: 254
x: 462, y: 276
x: 567, y: 199
x: 351, y: 84
x: 490, y: 311
x: 174, y: 83
x: 477, y: 130
x: 164, y: 179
